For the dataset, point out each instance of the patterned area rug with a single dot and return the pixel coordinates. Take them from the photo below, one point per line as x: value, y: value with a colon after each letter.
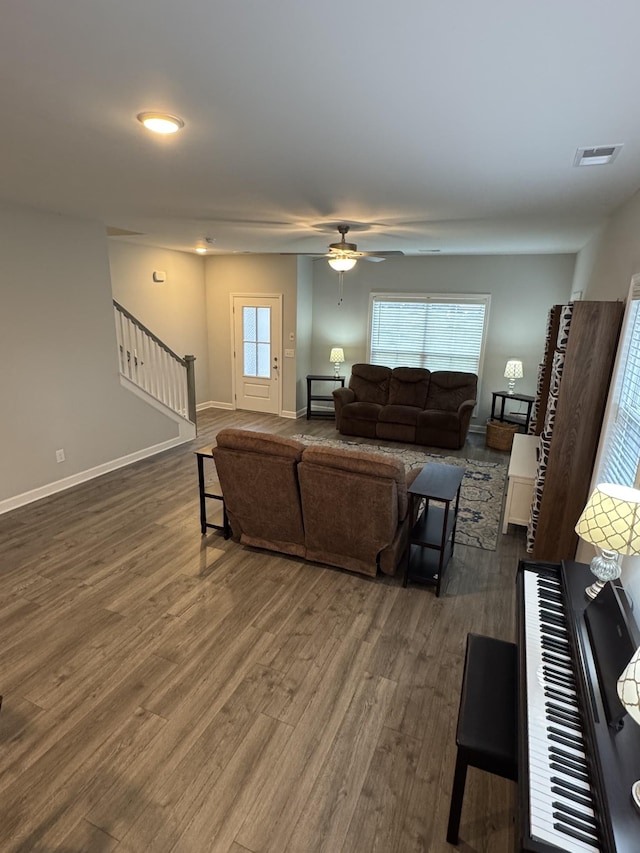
x: 481, y: 496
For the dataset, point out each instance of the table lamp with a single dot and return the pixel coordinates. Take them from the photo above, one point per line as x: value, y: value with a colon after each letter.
x: 337, y: 358
x: 513, y: 371
x: 629, y: 693
x: 611, y: 521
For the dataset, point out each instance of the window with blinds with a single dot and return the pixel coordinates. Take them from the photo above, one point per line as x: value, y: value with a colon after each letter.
x: 439, y: 332
x: 621, y: 455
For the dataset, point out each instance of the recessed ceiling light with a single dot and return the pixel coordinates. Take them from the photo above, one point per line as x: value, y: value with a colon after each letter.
x: 201, y: 250
x: 160, y: 122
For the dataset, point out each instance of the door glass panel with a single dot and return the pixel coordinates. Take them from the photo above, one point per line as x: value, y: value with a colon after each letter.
x: 250, y: 364
x: 264, y: 325
x: 256, y: 341
x: 264, y: 358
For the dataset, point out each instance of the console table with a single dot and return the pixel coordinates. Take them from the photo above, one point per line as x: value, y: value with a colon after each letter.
x: 521, y: 477
x: 224, y: 527
x: 433, y: 535
x: 311, y: 397
x: 519, y: 418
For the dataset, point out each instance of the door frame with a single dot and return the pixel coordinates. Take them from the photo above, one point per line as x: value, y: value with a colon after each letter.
x: 276, y: 348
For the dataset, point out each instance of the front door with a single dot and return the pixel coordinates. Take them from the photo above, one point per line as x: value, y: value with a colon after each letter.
x: 257, y: 335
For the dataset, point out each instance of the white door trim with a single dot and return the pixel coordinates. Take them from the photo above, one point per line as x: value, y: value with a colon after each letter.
x: 276, y: 345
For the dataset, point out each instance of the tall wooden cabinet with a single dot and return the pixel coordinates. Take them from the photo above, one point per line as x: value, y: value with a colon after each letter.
x: 577, y: 368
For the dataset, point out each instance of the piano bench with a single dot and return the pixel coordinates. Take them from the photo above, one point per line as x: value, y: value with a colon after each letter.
x: 487, y: 733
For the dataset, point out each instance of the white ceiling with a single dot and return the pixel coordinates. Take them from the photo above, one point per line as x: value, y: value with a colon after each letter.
x: 433, y: 124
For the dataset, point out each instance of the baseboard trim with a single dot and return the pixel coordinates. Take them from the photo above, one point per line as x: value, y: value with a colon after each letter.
x: 90, y: 474
x: 213, y: 404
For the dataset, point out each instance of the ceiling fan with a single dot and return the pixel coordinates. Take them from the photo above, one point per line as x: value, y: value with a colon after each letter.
x: 343, y: 256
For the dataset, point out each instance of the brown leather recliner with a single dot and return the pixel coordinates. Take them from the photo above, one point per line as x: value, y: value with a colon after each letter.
x: 347, y: 508
x: 258, y: 475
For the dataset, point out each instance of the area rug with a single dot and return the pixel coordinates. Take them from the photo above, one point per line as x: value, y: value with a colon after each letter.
x: 481, y: 495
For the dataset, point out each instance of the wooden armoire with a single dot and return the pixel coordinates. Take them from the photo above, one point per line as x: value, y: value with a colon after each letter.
x: 573, y: 385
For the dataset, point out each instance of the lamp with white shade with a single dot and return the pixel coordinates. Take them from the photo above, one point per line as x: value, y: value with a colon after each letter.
x: 611, y: 522
x: 629, y: 693
x: 337, y: 358
x: 513, y: 371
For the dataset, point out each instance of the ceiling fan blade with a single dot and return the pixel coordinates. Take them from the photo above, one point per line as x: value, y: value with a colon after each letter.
x: 385, y: 254
x: 375, y: 258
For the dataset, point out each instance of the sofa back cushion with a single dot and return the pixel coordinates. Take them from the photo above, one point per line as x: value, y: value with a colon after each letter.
x: 258, y: 474
x: 370, y: 383
x: 449, y: 388
x: 353, y: 504
x: 409, y: 386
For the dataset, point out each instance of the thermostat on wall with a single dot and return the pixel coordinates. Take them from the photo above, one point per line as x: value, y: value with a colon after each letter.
x: 159, y: 275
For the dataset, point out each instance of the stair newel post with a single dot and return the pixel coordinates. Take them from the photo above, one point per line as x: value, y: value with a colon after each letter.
x: 191, y: 387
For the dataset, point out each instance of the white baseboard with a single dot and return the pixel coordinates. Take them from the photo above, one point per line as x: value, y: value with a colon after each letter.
x: 212, y: 404
x: 90, y: 474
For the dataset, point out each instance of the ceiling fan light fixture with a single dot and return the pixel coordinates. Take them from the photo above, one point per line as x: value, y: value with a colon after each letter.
x: 160, y: 122
x: 342, y: 264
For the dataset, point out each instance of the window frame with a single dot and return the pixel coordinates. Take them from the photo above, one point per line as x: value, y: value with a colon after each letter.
x: 609, y: 429
x: 443, y: 298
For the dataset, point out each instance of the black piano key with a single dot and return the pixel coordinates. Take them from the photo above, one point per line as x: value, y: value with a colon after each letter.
x: 574, y: 774
x: 555, y: 718
x: 580, y: 799
x: 553, y: 618
x: 553, y: 644
x: 554, y: 631
x: 553, y: 605
x: 567, y: 820
x: 571, y: 760
x: 562, y: 711
x: 568, y: 830
x: 555, y: 660
x: 586, y: 818
x: 551, y: 678
x: 565, y: 740
x: 559, y: 675
x: 550, y: 693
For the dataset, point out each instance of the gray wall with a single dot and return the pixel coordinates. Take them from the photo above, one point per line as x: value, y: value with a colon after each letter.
x: 522, y: 289
x: 604, y: 270
x: 59, y: 381
x: 174, y: 310
x: 248, y: 274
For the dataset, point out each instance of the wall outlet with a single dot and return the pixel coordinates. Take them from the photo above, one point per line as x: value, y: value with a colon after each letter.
x: 289, y: 353
x: 59, y: 455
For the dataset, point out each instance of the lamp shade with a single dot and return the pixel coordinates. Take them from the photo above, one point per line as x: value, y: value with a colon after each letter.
x: 611, y: 519
x: 513, y: 370
x: 337, y: 355
x: 629, y: 687
x: 341, y: 264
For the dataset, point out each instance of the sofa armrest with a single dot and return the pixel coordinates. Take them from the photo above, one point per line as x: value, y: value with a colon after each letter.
x: 465, y: 410
x: 341, y: 396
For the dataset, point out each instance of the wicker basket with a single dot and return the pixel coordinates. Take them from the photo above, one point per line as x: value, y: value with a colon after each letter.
x: 500, y: 435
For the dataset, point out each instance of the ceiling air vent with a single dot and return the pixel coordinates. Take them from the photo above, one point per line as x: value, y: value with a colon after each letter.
x: 597, y: 156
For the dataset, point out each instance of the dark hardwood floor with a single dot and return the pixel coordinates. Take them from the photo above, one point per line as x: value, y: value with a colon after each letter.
x: 169, y: 692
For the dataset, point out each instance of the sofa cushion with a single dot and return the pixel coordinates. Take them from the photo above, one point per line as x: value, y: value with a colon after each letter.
x: 370, y: 383
x: 400, y: 415
x: 449, y: 388
x: 362, y: 411
x: 258, y: 474
x: 409, y: 386
x: 436, y: 419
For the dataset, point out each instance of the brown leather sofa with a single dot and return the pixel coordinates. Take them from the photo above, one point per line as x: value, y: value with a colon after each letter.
x: 409, y: 404
x: 346, y: 508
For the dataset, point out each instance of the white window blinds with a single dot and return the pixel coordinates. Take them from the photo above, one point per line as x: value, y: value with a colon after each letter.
x: 621, y: 455
x: 439, y: 332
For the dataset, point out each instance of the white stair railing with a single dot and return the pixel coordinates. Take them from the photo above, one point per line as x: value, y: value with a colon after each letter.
x: 149, y: 363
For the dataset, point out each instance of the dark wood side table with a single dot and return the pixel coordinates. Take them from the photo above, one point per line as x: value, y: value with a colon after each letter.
x: 311, y: 397
x: 511, y: 417
x: 433, y: 535
x: 201, y: 455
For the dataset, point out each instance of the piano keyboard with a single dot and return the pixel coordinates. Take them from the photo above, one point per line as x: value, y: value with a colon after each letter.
x: 561, y: 808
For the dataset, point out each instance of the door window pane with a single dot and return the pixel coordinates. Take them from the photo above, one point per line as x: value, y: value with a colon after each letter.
x: 256, y: 335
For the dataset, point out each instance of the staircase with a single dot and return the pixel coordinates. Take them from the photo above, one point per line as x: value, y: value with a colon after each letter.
x: 154, y: 368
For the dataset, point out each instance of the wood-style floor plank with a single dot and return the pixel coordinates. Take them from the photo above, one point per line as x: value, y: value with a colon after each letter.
x: 165, y: 691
